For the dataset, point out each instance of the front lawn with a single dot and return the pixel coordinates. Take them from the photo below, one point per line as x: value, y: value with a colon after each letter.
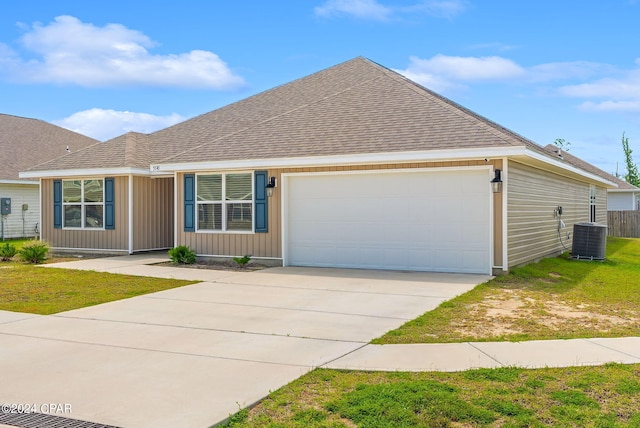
x: 38, y: 290
x: 557, y: 298
x: 606, y: 396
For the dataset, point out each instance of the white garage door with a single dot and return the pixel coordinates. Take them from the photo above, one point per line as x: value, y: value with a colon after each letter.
x: 437, y: 220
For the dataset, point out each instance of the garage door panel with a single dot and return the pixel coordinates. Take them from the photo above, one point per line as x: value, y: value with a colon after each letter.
x: 427, y: 220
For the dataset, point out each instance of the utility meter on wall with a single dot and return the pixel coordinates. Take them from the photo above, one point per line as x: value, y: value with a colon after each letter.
x: 5, y: 206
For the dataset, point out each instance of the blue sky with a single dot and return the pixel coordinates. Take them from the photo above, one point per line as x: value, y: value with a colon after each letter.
x: 545, y: 69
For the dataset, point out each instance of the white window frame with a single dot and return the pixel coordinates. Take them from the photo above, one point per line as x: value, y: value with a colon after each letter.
x: 593, y: 192
x: 224, y: 203
x: 82, y: 204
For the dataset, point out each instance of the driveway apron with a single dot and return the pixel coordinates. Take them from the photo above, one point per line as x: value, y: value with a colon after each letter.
x: 193, y: 355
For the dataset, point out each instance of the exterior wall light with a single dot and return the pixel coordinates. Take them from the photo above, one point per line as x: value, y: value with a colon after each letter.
x: 271, y: 184
x: 496, y: 183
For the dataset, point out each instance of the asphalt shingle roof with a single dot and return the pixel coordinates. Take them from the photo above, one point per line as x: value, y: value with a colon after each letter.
x: 570, y: 159
x: 356, y: 107
x: 27, y: 142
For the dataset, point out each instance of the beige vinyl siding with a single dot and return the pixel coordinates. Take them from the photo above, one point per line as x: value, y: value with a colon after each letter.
x: 152, y: 213
x: 533, y: 195
x: 269, y: 244
x: 21, y: 223
x: 113, y: 240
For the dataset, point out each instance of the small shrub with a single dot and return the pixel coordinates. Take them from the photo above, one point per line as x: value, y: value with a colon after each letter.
x: 7, y: 251
x: 34, y: 252
x: 242, y: 261
x: 182, y: 255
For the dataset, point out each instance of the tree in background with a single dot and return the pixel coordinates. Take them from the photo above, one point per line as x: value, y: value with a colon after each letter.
x: 562, y: 144
x: 632, y: 176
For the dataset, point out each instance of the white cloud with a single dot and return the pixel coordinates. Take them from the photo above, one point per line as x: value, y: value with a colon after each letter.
x: 373, y: 10
x: 568, y: 71
x: 442, y: 72
x: 618, y: 93
x: 106, y: 124
x: 69, y: 51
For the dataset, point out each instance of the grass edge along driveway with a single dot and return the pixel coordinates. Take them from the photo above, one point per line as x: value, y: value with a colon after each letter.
x: 556, y: 298
x: 44, y: 291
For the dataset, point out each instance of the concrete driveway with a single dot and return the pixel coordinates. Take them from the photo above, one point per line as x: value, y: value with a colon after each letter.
x: 191, y: 356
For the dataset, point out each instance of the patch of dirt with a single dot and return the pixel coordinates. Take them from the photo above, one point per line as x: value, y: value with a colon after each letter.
x: 512, y: 312
x: 218, y: 265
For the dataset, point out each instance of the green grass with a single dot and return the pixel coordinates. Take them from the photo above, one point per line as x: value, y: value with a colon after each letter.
x: 557, y: 298
x: 40, y: 290
x: 606, y: 396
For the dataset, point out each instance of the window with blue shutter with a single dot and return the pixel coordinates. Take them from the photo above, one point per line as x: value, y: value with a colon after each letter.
x: 57, y: 204
x: 109, y: 204
x: 261, y: 219
x: 189, y: 203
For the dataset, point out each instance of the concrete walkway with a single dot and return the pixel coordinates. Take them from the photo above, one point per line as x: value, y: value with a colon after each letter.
x: 463, y: 356
x: 193, y: 355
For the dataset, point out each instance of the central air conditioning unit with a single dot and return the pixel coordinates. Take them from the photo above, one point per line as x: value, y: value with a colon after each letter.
x: 589, y: 241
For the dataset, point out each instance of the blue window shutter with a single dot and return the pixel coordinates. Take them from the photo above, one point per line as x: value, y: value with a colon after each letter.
x: 109, y: 207
x: 57, y: 204
x: 261, y: 202
x: 189, y: 203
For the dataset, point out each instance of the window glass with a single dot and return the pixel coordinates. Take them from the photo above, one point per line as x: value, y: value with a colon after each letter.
x: 225, y: 202
x: 93, y: 216
x: 72, y: 216
x: 239, y: 217
x: 209, y: 187
x: 210, y: 216
x: 93, y: 190
x: 71, y: 191
x: 83, y: 203
x: 238, y: 187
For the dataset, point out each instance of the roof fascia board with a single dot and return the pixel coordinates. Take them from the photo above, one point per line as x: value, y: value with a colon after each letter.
x: 356, y: 159
x: 623, y: 190
x: 573, y: 170
x: 84, y: 172
x: 28, y: 182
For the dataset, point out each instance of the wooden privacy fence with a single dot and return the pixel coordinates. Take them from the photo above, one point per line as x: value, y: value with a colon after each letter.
x: 624, y: 224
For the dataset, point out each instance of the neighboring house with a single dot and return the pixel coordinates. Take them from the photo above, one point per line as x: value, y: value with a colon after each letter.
x: 354, y: 166
x: 625, y: 197
x: 24, y: 143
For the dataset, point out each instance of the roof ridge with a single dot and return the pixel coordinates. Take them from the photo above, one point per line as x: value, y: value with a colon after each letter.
x: 34, y: 167
x: 491, y: 126
x: 271, y: 118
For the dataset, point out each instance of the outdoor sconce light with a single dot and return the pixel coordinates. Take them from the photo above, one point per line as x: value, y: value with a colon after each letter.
x: 496, y: 183
x: 271, y: 184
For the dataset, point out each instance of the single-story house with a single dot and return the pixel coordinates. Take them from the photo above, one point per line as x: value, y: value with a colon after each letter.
x: 354, y: 166
x: 625, y: 197
x: 24, y: 143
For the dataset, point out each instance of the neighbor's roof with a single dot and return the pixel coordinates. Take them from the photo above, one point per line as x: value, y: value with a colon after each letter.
x: 354, y: 108
x: 566, y: 157
x: 27, y: 142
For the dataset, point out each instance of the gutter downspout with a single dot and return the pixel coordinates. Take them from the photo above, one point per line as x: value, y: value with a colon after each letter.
x: 505, y: 221
x: 130, y: 214
x: 175, y: 209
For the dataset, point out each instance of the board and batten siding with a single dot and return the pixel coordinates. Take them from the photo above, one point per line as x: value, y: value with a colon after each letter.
x: 88, y: 239
x: 21, y: 223
x: 152, y: 213
x: 269, y: 245
x: 533, y: 196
